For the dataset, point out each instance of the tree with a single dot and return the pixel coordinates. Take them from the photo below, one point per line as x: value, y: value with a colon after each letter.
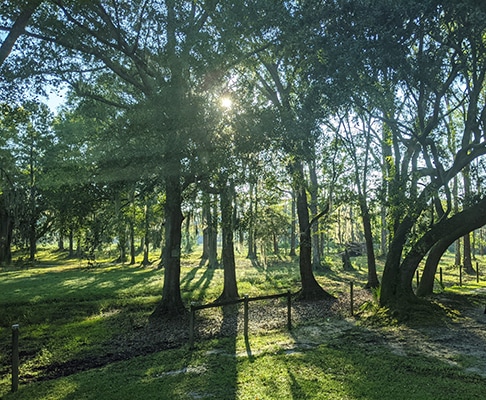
x: 151, y: 58
x: 279, y: 81
x: 357, y: 140
x: 416, y: 62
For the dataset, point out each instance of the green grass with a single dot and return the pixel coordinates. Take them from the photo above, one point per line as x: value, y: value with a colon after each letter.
x: 222, y: 369
x: 68, y: 312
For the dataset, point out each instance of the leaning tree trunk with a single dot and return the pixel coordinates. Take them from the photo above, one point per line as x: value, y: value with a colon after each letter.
x: 171, y: 303
x: 466, y: 221
x: 230, y: 289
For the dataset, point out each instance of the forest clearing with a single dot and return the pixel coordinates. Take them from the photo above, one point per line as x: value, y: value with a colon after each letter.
x: 85, y: 333
x: 160, y: 156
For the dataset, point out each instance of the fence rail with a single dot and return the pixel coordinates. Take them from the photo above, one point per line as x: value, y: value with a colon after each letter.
x: 245, y: 300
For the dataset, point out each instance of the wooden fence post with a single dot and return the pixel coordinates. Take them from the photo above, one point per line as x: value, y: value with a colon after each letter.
x: 245, y: 316
x: 192, y: 316
x: 289, y: 311
x: 477, y: 272
x: 15, y: 357
x: 441, y: 280
x: 351, y: 295
x: 460, y: 275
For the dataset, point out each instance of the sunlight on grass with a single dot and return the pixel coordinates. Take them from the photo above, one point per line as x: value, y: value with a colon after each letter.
x: 67, y: 311
x: 277, y: 368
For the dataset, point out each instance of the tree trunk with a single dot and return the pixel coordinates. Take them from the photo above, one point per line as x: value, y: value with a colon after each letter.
x: 6, y: 229
x: 373, y: 281
x: 71, y: 242
x: 311, y: 290
x: 132, y: 242
x: 251, y: 226
x: 230, y: 290
x: 467, y: 260
x: 293, y: 238
x: 392, y: 286
x: 210, y: 234
x: 60, y: 242
x: 187, y: 234
x: 466, y: 221
x: 171, y: 303
x: 146, y: 239
x: 316, y: 250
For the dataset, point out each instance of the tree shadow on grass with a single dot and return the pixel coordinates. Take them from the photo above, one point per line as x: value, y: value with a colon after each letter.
x: 188, y: 283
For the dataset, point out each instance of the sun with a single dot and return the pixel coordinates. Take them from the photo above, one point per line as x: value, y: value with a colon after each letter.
x: 226, y: 102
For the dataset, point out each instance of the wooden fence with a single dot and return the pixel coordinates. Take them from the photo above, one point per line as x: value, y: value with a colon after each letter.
x: 245, y: 300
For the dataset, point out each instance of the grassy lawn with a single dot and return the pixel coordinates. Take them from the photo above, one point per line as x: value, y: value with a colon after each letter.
x: 68, y: 312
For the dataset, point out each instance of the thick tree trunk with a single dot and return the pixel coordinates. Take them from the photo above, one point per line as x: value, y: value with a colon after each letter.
x: 60, y: 242
x: 171, y: 303
x: 398, y: 275
x: 466, y: 221
x: 392, y: 287
x: 230, y: 290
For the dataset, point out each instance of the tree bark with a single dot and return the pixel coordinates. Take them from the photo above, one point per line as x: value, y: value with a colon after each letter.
x: 230, y: 289
x: 311, y: 290
x: 251, y: 226
x: 373, y: 281
x: 210, y: 234
x: 293, y: 238
x: 467, y: 259
x: 391, y: 288
x: 146, y: 237
x: 459, y: 224
x: 316, y: 251
x: 171, y: 303
x: 6, y: 229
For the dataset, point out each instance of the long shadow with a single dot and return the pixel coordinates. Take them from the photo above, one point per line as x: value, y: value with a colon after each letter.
x: 415, y: 356
x: 187, y: 284
x: 223, y: 362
